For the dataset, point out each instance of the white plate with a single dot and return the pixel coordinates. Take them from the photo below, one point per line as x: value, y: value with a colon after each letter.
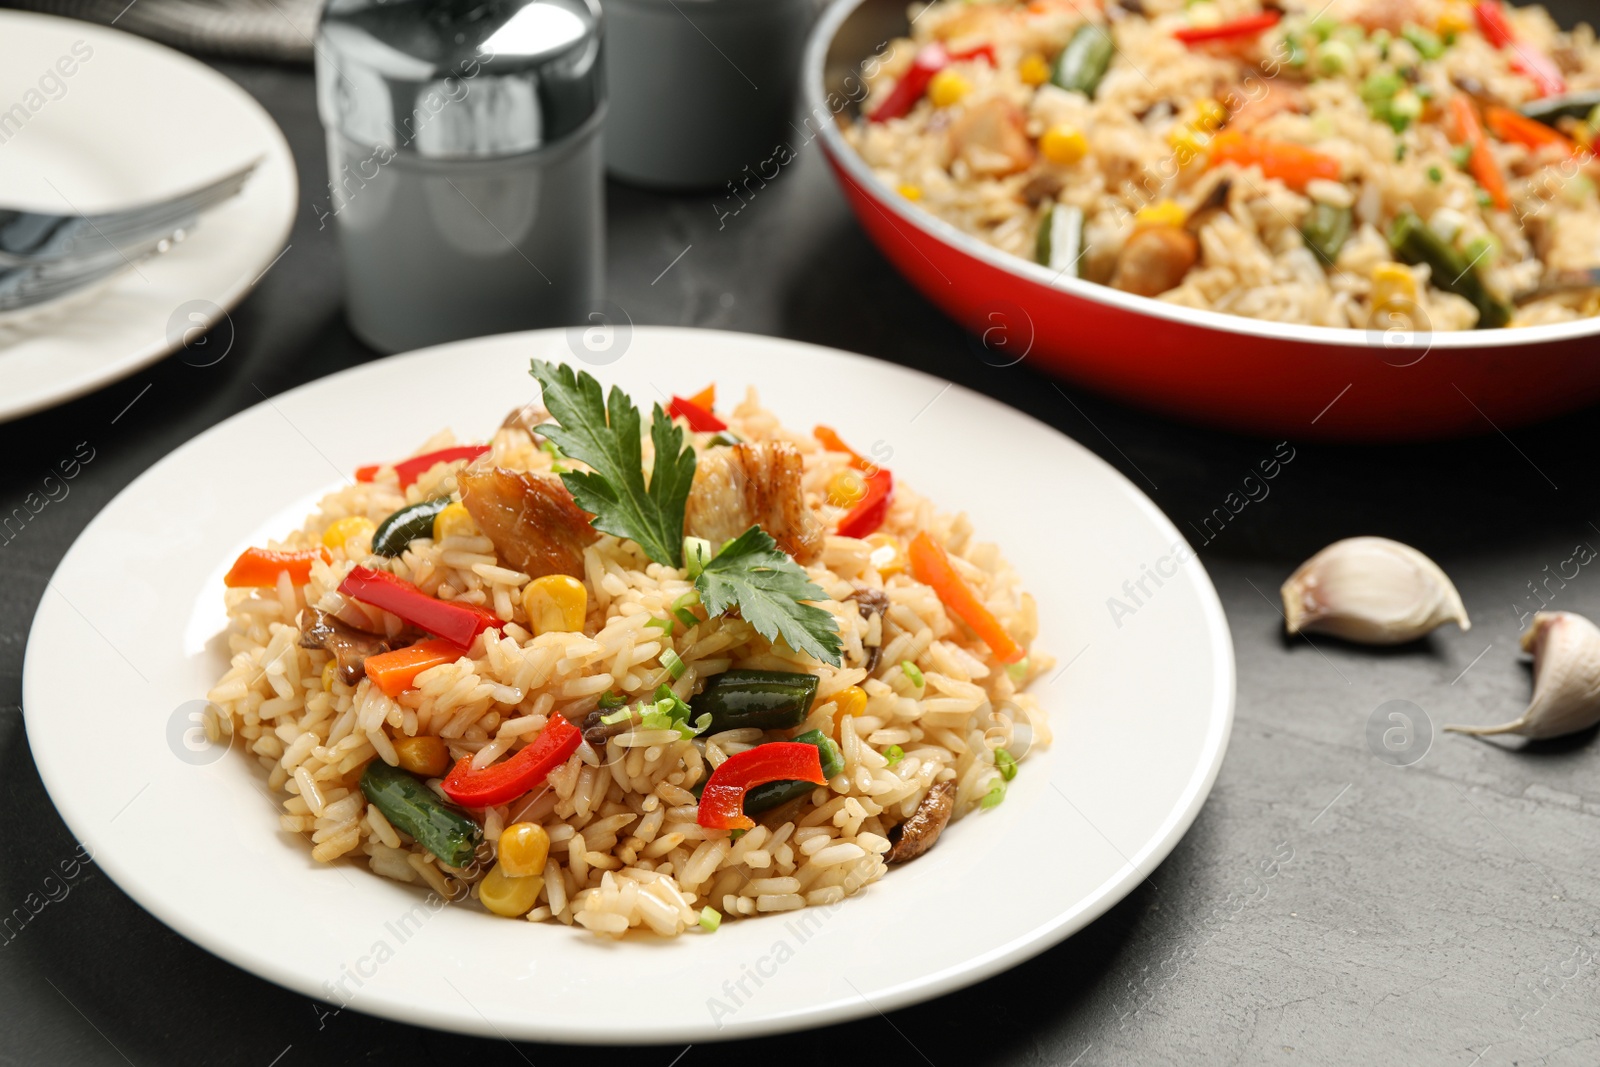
x: 132, y: 122
x: 123, y: 639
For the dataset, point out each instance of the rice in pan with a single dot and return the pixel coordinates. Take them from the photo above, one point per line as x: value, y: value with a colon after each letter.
x: 1410, y: 164
x: 920, y: 717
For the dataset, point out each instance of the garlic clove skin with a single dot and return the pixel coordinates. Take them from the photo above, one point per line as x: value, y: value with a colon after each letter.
x: 1371, y: 590
x: 1566, y: 679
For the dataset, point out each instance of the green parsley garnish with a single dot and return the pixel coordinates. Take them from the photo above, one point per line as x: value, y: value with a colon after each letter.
x: 749, y: 574
x: 768, y: 588
x: 605, y: 434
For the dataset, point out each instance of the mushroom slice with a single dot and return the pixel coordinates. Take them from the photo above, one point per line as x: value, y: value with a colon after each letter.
x: 917, y: 834
x: 348, y: 646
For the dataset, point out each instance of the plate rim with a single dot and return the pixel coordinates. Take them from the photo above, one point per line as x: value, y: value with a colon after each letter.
x: 275, y: 154
x: 376, y: 1002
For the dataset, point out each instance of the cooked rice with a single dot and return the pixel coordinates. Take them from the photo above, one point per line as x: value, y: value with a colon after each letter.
x: 626, y: 851
x: 1253, y: 260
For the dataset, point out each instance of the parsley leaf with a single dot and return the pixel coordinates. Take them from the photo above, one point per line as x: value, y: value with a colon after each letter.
x: 768, y: 587
x: 604, y: 433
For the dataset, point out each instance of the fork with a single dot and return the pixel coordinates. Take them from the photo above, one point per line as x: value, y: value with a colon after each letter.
x: 32, y: 238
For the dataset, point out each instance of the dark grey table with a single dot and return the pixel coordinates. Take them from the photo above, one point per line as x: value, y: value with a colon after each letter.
x: 1438, y: 913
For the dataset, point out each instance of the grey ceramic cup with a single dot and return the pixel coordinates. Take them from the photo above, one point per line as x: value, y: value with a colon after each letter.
x: 699, y: 88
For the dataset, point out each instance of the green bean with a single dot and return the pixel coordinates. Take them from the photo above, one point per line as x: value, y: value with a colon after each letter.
x: 1416, y: 244
x: 411, y: 808
x: 1326, y: 230
x: 406, y: 525
x: 1060, y: 239
x: 1573, y: 106
x: 1084, y: 62
x: 767, y: 700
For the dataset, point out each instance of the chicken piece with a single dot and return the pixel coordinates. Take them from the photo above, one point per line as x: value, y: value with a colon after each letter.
x: 531, y: 518
x: 1155, y: 259
x: 348, y: 646
x: 748, y: 484
x: 1251, y: 113
x: 1391, y: 15
x: 990, y: 135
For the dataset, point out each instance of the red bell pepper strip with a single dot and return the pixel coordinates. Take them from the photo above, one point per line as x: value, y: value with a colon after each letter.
x: 722, y: 802
x: 258, y: 568
x: 870, y: 511
x: 1467, y: 130
x: 1529, y: 60
x: 409, y: 470
x: 1294, y: 165
x: 455, y: 622
x: 929, y: 60
x: 930, y: 566
x: 500, y: 783
x: 1249, y: 26
x: 984, y: 52
x: 1512, y: 126
x: 700, y: 419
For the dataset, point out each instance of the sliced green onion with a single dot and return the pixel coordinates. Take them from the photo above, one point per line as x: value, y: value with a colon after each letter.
x: 912, y: 672
x: 996, y: 793
x: 665, y: 624
x: 689, y: 619
x: 1018, y: 671
x: 553, y: 450
x: 620, y: 715
x: 1435, y: 175
x: 687, y: 600
x: 710, y: 919
x: 1006, y: 763
x: 696, y: 554
x: 612, y: 699
x: 1426, y: 43
x: 894, y: 754
x: 673, y: 663
x: 1460, y: 155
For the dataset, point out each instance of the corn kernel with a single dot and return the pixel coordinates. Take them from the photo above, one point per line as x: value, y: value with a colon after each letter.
x: 1033, y: 70
x: 1063, y: 145
x: 948, y: 88
x: 911, y: 192
x: 506, y: 895
x: 888, y: 555
x: 1209, y: 116
x: 846, y: 488
x: 341, y: 531
x: 1161, y: 213
x: 1188, y: 144
x: 454, y: 521
x: 555, y: 603
x: 1453, y: 22
x: 1394, y: 297
x: 425, y: 755
x: 851, y: 701
x: 524, y: 847
x: 328, y: 673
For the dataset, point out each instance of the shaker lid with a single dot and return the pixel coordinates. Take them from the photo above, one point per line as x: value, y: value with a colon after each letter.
x: 459, y: 78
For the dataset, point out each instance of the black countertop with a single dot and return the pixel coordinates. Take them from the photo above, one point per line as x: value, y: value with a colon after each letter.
x: 1443, y: 912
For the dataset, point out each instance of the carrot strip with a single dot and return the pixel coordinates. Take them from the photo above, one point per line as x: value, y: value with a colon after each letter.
x: 1508, y: 125
x: 395, y: 672
x: 1295, y: 165
x: 706, y: 398
x: 832, y: 442
x: 1469, y: 131
x: 259, y: 568
x: 931, y: 567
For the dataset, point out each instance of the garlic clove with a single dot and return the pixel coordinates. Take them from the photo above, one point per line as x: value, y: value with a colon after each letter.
x: 1371, y: 590
x: 1566, y: 679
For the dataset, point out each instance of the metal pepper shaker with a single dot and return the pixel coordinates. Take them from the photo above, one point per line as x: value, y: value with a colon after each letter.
x: 465, y: 164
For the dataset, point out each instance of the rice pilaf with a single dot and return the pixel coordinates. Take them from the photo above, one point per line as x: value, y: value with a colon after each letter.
x: 918, y: 710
